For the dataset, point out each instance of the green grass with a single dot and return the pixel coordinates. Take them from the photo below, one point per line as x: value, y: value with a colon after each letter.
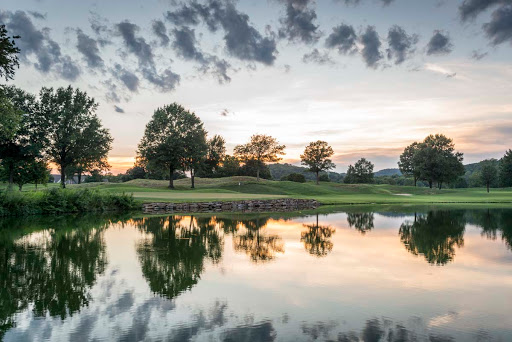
x: 241, y: 188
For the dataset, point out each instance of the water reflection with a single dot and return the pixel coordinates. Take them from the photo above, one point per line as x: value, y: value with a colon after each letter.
x: 51, y: 271
x: 363, y: 222
x: 317, y: 238
x: 172, y: 257
x: 434, y: 235
x: 193, y: 278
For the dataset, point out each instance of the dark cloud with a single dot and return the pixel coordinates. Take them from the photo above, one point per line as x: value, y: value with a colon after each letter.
x: 317, y: 57
x: 100, y: 27
x: 160, y: 31
x: 165, y: 80
x: 499, y: 29
x: 128, y: 78
x: 118, y: 109
x: 37, y: 15
x: 68, y: 69
x: 477, y: 55
x: 186, y: 46
x: 470, y: 9
x: 439, y: 44
x: 38, y: 43
x: 371, y: 47
x: 401, y: 45
x: 298, y: 22
x: 242, y: 40
x: 343, y: 38
x: 88, y: 47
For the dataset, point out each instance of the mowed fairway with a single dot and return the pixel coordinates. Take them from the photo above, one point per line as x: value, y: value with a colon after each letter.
x: 243, y: 188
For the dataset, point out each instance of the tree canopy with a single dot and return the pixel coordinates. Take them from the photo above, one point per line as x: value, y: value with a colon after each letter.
x: 262, y: 149
x: 506, y: 169
x: 360, y: 173
x: 316, y: 157
x: 8, y: 54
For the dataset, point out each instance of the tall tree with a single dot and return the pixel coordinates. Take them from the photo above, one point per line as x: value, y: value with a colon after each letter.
x: 195, y: 148
x: 8, y: 54
x: 24, y: 138
x: 71, y: 126
x: 215, y: 155
x: 437, y: 161
x: 406, y: 163
x: 262, y: 149
x: 489, y: 173
x: 163, y: 145
x: 316, y: 157
x: 506, y: 169
x: 360, y: 173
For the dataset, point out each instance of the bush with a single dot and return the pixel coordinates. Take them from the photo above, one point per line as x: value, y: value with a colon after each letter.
x: 324, y: 177
x: 294, y: 177
x: 58, y: 201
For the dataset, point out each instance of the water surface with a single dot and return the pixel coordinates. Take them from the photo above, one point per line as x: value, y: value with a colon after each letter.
x: 355, y: 275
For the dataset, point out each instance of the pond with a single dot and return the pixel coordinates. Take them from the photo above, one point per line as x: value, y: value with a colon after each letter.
x: 376, y: 274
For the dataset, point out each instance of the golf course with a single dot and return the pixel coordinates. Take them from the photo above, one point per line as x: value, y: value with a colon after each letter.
x: 327, y: 193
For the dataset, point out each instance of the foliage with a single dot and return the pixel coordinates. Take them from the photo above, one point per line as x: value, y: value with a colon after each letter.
x: 261, y: 148
x: 216, y: 152
x: 72, y: 128
x: 8, y: 54
x: 230, y: 167
x: 163, y: 144
x: 316, y: 157
x: 489, y: 173
x: 278, y: 171
x: 506, y: 169
x: 58, y: 201
x: 324, y: 177
x: 253, y: 168
x: 360, y: 173
x: 406, y: 163
x: 294, y: 177
x: 10, y: 118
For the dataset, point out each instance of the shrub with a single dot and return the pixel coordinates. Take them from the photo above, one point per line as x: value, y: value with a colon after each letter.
x: 58, y: 201
x: 295, y: 177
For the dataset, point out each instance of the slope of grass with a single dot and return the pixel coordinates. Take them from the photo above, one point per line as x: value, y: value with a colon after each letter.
x: 238, y: 188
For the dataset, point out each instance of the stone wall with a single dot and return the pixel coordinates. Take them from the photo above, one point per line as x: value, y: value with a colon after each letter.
x: 284, y: 204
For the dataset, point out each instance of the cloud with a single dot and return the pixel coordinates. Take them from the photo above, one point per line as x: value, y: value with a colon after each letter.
x: 88, y: 47
x: 37, y: 15
x: 317, y: 57
x: 38, y: 43
x: 499, y: 29
x: 470, y: 9
x: 160, y: 31
x: 439, y: 44
x: 343, y: 38
x: 371, y: 47
x: 165, y: 80
x: 440, y: 70
x: 298, y: 22
x: 186, y: 46
x: 477, y: 55
x: 128, y: 78
x: 118, y: 109
x: 356, y: 2
x: 401, y: 45
x: 242, y: 40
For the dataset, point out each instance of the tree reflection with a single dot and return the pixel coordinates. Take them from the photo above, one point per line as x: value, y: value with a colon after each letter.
x: 317, y: 239
x: 434, y: 235
x: 261, y: 247
x: 493, y: 222
x: 50, y: 270
x: 172, y: 257
x: 363, y: 222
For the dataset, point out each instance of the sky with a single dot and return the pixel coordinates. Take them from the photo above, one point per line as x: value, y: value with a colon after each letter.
x: 367, y: 76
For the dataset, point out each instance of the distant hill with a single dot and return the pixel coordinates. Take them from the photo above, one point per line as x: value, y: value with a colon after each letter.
x: 388, y: 172
x: 280, y: 170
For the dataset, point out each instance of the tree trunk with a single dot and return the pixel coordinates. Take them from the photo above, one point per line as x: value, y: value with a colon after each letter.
x: 62, y: 177
x: 20, y: 186
x: 11, y: 176
x: 171, y: 181
x: 79, y: 177
x: 192, y: 178
x: 488, y: 187
x: 317, y: 178
x: 430, y: 184
x: 258, y: 173
x: 440, y: 185
x: 415, y: 181
x: 36, y: 185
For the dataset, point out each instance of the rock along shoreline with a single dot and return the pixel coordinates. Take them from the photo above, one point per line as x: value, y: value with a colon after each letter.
x: 284, y: 204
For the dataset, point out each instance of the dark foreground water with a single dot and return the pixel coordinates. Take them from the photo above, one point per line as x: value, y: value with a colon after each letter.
x: 397, y: 275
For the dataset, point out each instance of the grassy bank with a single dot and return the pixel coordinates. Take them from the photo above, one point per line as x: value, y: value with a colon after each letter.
x: 241, y: 188
x: 58, y: 201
